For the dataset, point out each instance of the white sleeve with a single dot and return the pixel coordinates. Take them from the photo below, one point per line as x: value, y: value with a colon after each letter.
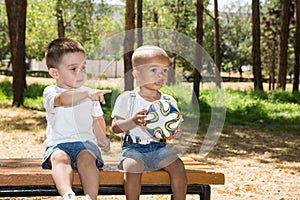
x: 122, y: 106
x: 97, y: 109
x: 48, y: 98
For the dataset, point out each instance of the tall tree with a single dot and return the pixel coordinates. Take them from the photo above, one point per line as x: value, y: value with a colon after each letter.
x: 270, y: 31
x: 256, y: 45
x: 270, y: 41
x: 283, y: 46
x: 199, y: 36
x: 61, y: 29
x: 297, y: 47
x: 129, y: 43
x: 73, y: 15
x: 16, y: 14
x: 217, y: 43
x: 139, y: 22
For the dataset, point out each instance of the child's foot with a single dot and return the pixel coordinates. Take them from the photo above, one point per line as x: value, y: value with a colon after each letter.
x: 69, y: 196
x: 87, y: 197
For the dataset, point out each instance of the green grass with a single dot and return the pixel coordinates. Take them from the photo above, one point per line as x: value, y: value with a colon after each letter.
x: 279, y: 109
x: 276, y: 110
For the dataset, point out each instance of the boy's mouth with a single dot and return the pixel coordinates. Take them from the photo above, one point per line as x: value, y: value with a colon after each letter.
x: 80, y: 80
x: 159, y: 83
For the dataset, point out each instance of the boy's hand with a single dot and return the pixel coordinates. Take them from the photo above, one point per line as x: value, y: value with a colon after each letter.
x: 104, y: 144
x: 139, y: 117
x: 99, y: 95
x: 177, y: 133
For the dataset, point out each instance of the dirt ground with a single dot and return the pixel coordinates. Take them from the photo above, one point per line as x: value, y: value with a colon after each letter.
x: 258, y: 164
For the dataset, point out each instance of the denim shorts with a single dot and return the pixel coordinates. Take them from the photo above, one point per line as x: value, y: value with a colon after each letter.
x: 150, y: 154
x: 73, y: 149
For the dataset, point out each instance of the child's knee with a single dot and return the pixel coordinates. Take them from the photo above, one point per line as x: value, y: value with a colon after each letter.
x: 60, y: 156
x: 168, y: 161
x: 133, y: 165
x: 85, y: 159
x: 177, y: 166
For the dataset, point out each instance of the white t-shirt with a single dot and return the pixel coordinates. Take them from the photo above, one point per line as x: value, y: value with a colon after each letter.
x: 72, y: 123
x: 131, y: 99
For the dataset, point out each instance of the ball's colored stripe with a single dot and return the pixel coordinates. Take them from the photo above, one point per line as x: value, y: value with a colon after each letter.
x: 158, y: 109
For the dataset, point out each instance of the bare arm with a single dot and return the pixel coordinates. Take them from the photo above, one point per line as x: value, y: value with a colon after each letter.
x: 99, y: 127
x: 72, y: 97
x: 120, y: 125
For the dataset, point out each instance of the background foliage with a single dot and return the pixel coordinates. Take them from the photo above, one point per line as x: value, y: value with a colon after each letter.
x: 278, y: 109
x: 90, y: 21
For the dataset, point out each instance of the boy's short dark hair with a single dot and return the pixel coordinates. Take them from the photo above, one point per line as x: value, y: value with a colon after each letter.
x: 58, y: 48
x: 147, y: 51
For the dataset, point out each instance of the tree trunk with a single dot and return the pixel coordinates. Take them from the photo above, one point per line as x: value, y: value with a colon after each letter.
x: 16, y: 14
x: 139, y: 22
x: 197, y: 69
x: 256, y: 45
x: 154, y: 17
x: 283, y: 46
x: 272, y: 70
x: 60, y: 19
x: 171, y: 76
x: 217, y: 43
x: 297, y: 48
x: 129, y: 43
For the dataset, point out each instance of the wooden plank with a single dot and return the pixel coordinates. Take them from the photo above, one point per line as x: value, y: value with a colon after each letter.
x: 110, y: 178
x: 24, y: 172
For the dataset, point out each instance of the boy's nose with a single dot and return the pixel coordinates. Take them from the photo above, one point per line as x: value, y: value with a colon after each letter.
x: 160, y: 72
x: 82, y: 69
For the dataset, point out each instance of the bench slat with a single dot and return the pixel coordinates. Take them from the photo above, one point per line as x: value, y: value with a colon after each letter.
x: 28, y: 172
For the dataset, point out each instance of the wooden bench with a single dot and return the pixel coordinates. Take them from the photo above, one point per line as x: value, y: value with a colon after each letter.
x: 25, y: 177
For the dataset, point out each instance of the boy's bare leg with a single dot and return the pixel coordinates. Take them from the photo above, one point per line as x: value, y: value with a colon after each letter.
x: 62, y: 172
x: 89, y: 174
x: 132, y: 185
x: 178, y: 179
x: 133, y: 169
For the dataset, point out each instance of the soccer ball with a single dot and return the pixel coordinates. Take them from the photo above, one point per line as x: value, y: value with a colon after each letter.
x: 162, y: 120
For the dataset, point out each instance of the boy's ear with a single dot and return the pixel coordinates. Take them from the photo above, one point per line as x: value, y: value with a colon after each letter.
x: 135, y: 74
x: 53, y: 73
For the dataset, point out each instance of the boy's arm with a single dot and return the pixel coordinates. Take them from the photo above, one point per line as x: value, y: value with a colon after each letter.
x: 72, y: 97
x: 120, y: 125
x: 69, y: 98
x: 99, y: 127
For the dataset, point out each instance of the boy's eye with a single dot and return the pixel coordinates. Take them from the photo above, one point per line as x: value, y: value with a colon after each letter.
x: 77, y: 69
x: 165, y: 70
x: 153, y: 70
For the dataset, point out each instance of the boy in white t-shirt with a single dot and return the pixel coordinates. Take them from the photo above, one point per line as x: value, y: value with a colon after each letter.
x: 75, y: 123
x: 139, y: 151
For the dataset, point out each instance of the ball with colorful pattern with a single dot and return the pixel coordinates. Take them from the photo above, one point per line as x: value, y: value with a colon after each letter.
x: 163, y: 119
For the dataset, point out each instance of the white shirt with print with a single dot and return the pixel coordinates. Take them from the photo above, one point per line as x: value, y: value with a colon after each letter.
x: 70, y: 123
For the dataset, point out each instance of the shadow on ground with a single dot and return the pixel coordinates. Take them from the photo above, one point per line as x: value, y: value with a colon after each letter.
x: 262, y: 143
